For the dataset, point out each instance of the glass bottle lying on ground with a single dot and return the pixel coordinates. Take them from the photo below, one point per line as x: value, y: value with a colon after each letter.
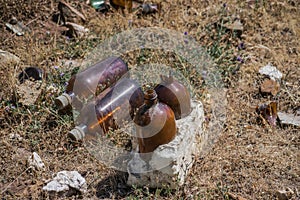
x: 110, y: 110
x: 91, y: 82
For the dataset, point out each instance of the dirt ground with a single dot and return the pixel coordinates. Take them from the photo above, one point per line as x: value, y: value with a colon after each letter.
x: 250, y: 160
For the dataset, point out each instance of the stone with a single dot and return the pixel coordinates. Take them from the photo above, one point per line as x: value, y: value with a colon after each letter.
x: 65, y: 181
x: 287, y: 118
x: 271, y: 71
x: 36, y: 162
x: 169, y: 164
x: 29, y: 92
x: 6, y: 57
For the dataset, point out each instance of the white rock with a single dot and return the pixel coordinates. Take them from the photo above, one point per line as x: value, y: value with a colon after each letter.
x: 8, y: 57
x: 169, y: 164
x: 286, y: 118
x: 35, y: 161
x: 66, y: 180
x: 271, y: 72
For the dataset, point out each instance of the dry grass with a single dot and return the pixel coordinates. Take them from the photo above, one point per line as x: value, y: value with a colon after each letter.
x: 250, y: 159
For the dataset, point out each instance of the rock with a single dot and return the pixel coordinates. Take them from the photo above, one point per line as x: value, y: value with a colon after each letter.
x: 271, y: 71
x: 235, y: 26
x: 70, y: 64
x: 75, y: 30
x: 284, y: 194
x: 17, y: 27
x: 6, y: 57
x: 286, y: 118
x: 169, y: 164
x: 270, y: 86
x: 36, y: 162
x: 29, y: 91
x: 65, y: 181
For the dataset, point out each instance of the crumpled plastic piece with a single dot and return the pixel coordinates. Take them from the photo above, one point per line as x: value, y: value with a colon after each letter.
x: 271, y: 72
x: 66, y: 180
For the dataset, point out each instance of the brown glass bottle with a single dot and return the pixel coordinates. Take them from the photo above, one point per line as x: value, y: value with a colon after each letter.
x: 175, y: 95
x: 109, y: 111
x: 91, y: 82
x: 155, y: 123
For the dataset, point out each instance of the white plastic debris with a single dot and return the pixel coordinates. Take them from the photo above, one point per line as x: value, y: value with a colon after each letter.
x: 65, y: 181
x: 271, y: 72
x: 170, y: 163
x: 286, y: 118
x: 35, y: 161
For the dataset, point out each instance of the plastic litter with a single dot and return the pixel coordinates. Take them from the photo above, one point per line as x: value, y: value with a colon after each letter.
x: 110, y: 110
x: 91, y: 81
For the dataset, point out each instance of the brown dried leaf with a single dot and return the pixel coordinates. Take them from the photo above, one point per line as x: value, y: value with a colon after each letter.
x: 270, y: 86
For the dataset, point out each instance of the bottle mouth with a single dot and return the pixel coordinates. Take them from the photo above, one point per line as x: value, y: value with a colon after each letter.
x: 63, y: 101
x: 150, y: 95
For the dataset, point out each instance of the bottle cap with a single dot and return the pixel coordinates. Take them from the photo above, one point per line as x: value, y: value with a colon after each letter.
x: 63, y: 101
x: 77, y: 133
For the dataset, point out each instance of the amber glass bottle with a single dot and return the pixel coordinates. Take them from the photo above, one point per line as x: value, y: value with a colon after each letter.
x: 175, y: 95
x: 155, y: 123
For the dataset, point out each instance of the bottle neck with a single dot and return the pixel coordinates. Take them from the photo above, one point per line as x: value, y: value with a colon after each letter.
x: 150, y: 98
x: 150, y: 102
